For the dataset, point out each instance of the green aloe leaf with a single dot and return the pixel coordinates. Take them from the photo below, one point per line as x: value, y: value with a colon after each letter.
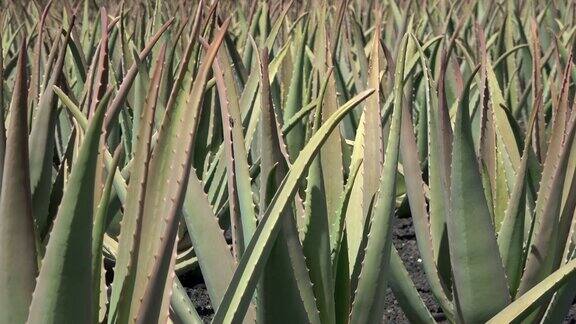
x: 480, y: 282
x: 42, y: 141
x: 331, y: 154
x: 511, y: 235
x: 18, y: 259
x: 530, y: 300
x: 370, y: 146
x: 99, y: 231
x: 417, y: 198
x: 207, y: 237
x: 184, y: 311
x: 316, y: 242
x: 406, y: 293
x: 169, y: 166
x: 367, y: 306
x: 295, y: 139
x: 439, y: 139
x: 131, y: 226
x: 63, y: 291
x: 242, y: 215
x: 238, y: 295
x: 286, y: 268
x: 542, y: 254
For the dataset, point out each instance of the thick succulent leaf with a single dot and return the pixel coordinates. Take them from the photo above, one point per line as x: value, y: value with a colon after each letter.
x: 480, y: 281
x: 406, y: 293
x: 170, y: 166
x: 542, y: 253
x: 18, y: 259
x: 98, y: 232
x: 34, y: 88
x: 372, y: 149
x: 131, y: 226
x: 511, y: 235
x: 243, y: 283
x: 338, y: 237
x: 331, y: 155
x: 100, y: 77
x: 286, y: 268
x: 530, y: 300
x: 316, y: 241
x: 508, y: 150
x: 42, y: 141
x: 130, y: 76
x: 182, y: 308
x: 367, y: 306
x: 351, y: 218
x: 63, y: 291
x: 295, y: 139
x: 562, y: 301
x: 418, y: 206
x: 438, y: 174
x: 214, y: 256
x: 242, y: 215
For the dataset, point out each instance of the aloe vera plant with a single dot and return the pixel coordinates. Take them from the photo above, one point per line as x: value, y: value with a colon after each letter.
x: 268, y: 148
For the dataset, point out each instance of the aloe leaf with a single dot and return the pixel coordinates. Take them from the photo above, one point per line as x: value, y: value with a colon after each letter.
x: 141, y: 84
x: 505, y: 139
x: 286, y: 269
x: 547, y: 212
x: 98, y: 232
x: 372, y: 155
x: 131, y: 226
x: 64, y: 290
x: 480, y: 281
x: 356, y: 196
x: 250, y: 95
x: 169, y: 167
x: 213, y: 253
x: 362, y: 61
x: 406, y: 293
x: 417, y: 198
x: 295, y: 139
x: 243, y: 283
x: 331, y: 155
x: 242, y: 215
x: 532, y: 299
x: 510, y: 63
x: 184, y: 311
x: 367, y: 306
x: 100, y: 81
x: 41, y: 144
x: 511, y: 235
x: 298, y: 117
x: 18, y: 260
x: 338, y: 238
x: 316, y: 242
x: 439, y: 138
x: 34, y: 88
x: 128, y: 80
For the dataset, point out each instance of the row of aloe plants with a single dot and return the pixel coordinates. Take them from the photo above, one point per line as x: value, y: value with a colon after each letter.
x: 136, y: 135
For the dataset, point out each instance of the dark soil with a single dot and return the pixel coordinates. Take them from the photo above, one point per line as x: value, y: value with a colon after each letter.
x: 404, y: 240
x: 196, y: 289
